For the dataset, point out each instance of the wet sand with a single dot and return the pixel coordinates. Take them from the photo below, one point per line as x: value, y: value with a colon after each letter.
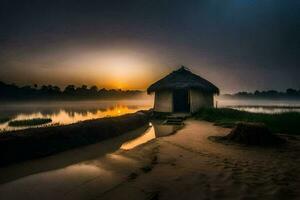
x: 185, y: 165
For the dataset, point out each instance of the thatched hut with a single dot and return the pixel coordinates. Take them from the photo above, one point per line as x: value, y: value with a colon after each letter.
x: 182, y: 91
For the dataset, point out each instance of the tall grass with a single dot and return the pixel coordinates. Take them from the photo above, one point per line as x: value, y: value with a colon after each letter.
x: 30, y: 122
x: 288, y: 122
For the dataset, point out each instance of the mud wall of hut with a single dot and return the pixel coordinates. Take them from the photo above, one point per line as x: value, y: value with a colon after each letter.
x: 199, y: 100
x: 163, y: 101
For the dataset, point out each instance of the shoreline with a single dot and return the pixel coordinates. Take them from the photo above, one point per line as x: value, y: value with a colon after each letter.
x: 40, y: 142
x: 184, y: 165
x: 66, y: 158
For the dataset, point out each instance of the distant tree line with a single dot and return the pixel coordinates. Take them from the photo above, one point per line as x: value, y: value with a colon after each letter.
x: 70, y: 92
x: 269, y: 94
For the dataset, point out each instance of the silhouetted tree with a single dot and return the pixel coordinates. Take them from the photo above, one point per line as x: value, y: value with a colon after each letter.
x: 69, y: 90
x: 94, y: 89
x: 291, y: 92
x: 52, y: 92
x: 257, y: 92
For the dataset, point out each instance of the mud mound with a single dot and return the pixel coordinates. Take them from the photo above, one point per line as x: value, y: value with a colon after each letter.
x: 252, y: 134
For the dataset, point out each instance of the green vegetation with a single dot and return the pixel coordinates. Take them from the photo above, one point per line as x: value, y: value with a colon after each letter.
x: 288, y: 123
x: 4, y: 119
x: 30, y: 122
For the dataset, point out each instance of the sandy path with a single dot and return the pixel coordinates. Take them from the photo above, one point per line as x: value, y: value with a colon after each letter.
x: 183, y: 166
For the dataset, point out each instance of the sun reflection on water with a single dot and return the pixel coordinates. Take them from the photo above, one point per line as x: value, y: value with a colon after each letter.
x: 69, y: 116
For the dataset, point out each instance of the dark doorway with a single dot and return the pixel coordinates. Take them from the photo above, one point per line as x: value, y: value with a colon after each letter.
x: 181, y: 101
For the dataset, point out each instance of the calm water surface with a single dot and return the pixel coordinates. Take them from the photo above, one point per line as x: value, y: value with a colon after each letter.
x: 75, y: 111
x: 68, y: 112
x: 261, y: 106
x: 93, y: 154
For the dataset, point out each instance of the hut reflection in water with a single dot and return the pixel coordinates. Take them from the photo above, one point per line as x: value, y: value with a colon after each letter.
x: 156, y: 129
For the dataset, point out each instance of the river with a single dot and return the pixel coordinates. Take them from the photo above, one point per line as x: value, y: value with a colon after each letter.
x: 68, y: 112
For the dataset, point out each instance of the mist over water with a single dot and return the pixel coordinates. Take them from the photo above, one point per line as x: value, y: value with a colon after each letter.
x: 62, y: 113
x: 68, y: 112
x: 259, y: 105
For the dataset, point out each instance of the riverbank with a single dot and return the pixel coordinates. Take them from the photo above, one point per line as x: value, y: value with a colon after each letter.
x: 286, y: 123
x: 186, y: 165
x: 32, y: 143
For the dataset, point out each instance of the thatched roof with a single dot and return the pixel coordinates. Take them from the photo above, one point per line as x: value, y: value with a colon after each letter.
x: 183, y: 78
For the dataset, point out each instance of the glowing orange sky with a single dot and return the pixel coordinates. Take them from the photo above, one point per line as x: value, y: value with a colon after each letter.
x: 237, y: 45
x: 109, y: 68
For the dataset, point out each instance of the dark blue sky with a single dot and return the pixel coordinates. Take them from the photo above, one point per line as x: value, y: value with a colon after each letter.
x: 236, y: 44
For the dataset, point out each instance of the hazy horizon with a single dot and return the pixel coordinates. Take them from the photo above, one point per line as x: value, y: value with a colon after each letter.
x: 237, y: 45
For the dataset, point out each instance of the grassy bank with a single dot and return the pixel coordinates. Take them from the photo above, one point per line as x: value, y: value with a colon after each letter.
x: 288, y: 123
x: 30, y: 122
x: 38, y: 142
